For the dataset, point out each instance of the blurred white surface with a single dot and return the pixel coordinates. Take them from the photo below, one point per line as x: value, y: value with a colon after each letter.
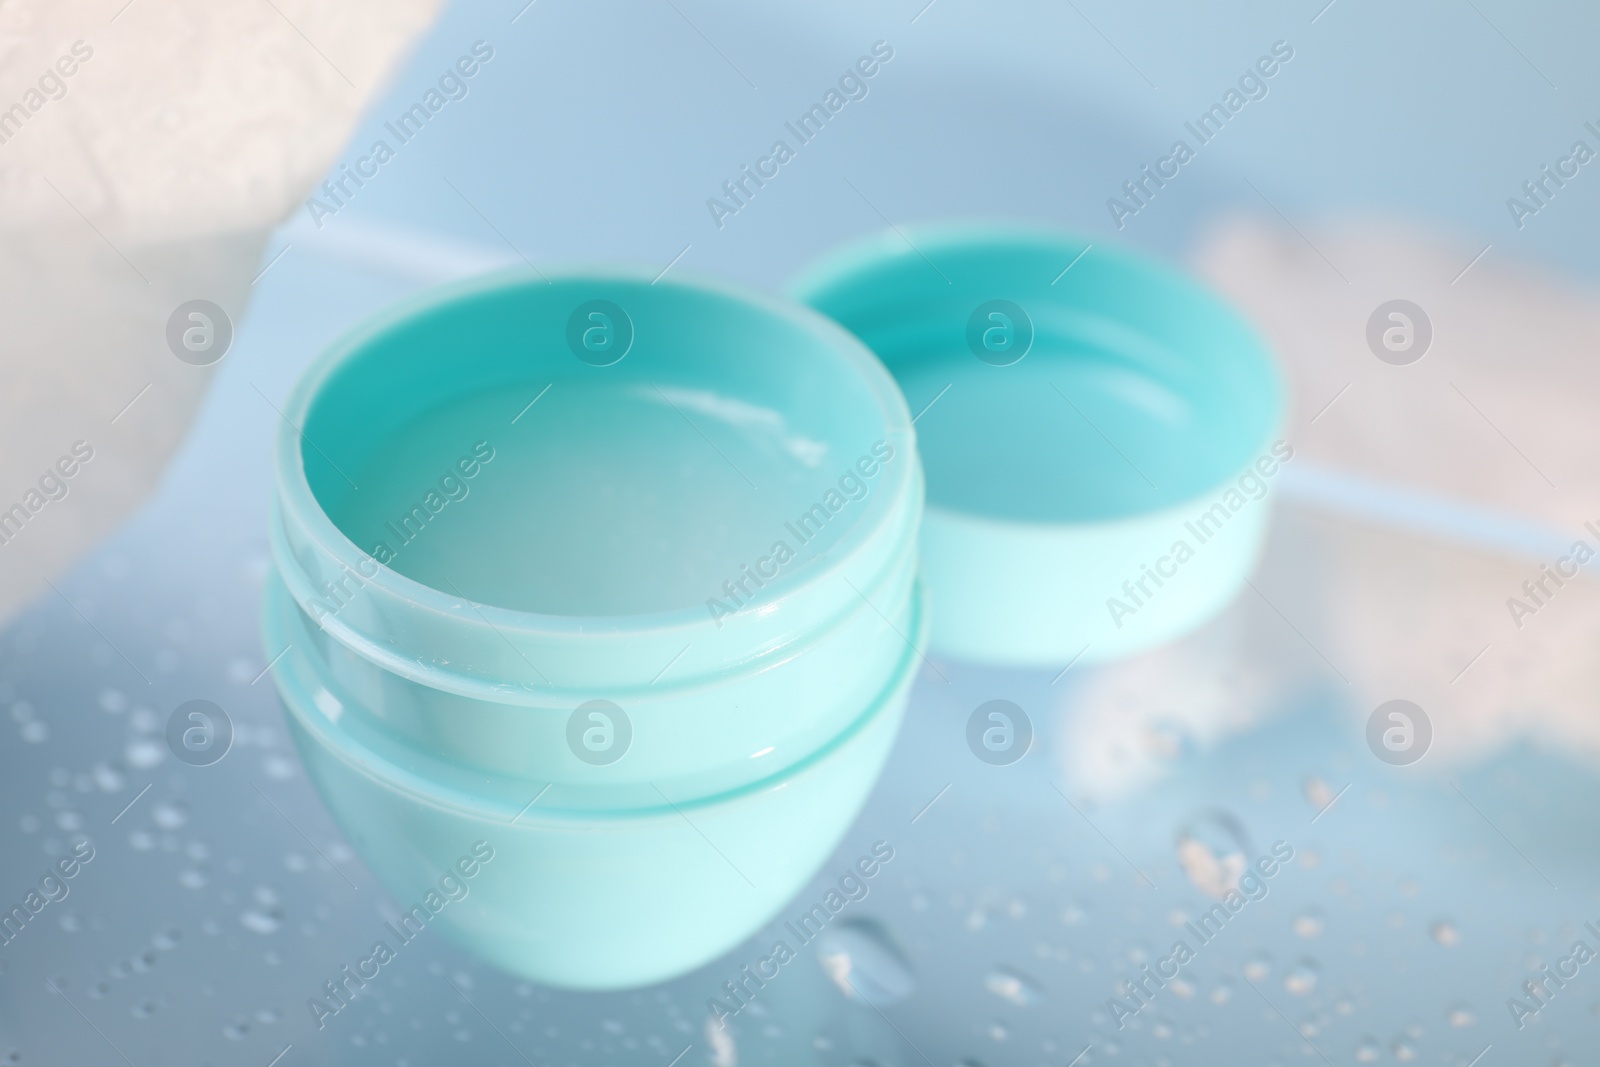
x: 146, y: 149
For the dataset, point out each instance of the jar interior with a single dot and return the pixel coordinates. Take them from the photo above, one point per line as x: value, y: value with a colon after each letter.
x: 472, y: 448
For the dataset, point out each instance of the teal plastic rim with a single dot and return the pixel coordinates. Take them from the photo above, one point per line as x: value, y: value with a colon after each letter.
x: 509, y: 331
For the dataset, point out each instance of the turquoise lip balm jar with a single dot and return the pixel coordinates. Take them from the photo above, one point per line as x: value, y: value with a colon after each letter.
x: 1099, y: 434
x: 617, y: 576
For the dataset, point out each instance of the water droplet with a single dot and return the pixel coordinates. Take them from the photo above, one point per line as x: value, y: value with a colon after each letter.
x: 1008, y: 984
x: 278, y: 768
x: 1074, y: 914
x: 1258, y: 967
x: 236, y: 1031
x: 193, y: 879
x: 143, y: 754
x: 861, y: 960
x: 724, y: 1053
x: 998, y: 1031
x: 1223, y: 992
x: 1460, y: 1015
x: 1404, y: 1051
x: 1367, y: 1050
x: 169, y: 815
x: 262, y: 921
x: 1319, y: 794
x: 1214, y: 850
x: 1308, y: 924
x: 107, y: 779
x: 1302, y: 979
x: 1445, y: 933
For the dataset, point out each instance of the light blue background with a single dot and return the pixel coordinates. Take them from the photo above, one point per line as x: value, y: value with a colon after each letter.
x: 597, y: 133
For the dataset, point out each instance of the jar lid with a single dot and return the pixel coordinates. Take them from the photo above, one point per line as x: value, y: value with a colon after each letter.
x: 1097, y: 433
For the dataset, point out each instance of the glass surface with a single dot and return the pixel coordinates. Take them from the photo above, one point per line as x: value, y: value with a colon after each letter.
x: 1440, y: 909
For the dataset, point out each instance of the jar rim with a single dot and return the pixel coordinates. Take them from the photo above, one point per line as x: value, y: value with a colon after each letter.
x: 436, y: 780
x: 861, y: 549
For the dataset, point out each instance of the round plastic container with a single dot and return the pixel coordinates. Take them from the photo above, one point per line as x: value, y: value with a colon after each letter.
x: 586, y: 900
x: 485, y: 526
x: 1098, y: 431
x: 623, y: 545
